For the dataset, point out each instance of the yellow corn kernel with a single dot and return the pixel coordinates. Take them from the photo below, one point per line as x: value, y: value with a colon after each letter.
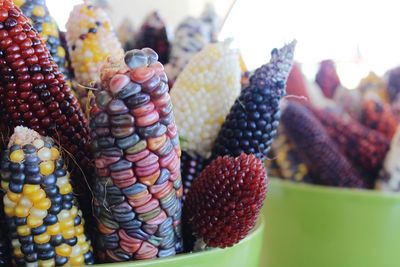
x: 19, y: 3
x: 14, y: 197
x: 34, y: 221
x: 65, y: 189
x: 17, y: 156
x: 38, y: 11
x: 66, y: 224
x: 55, y: 153
x: 43, y: 204
x: 21, y: 211
x: 44, y: 153
x: 61, y: 51
x: 79, y: 229
x: 18, y: 252
x: 47, y: 263
x: 81, y: 239
x: 40, y: 194
x: 73, y: 211
x: 68, y: 233
x: 85, y: 247
x: 4, y: 185
x: 9, y: 211
x: 46, y: 167
x: 64, y: 250
x: 41, y: 239
x: 23, y: 230
x: 77, y: 261
x: 30, y: 189
x: 54, y: 229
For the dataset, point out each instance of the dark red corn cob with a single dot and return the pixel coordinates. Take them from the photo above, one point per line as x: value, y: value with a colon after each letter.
x: 327, y: 165
x: 364, y: 147
x: 33, y: 90
x: 379, y: 116
x: 191, y: 166
x: 224, y: 201
x: 327, y: 78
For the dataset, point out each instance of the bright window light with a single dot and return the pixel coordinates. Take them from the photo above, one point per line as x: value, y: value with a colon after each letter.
x: 60, y: 10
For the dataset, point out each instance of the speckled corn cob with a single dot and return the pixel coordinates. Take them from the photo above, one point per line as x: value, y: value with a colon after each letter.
x: 253, y: 120
x: 379, y: 116
x: 153, y: 34
x: 126, y: 34
x: 203, y: 94
x: 91, y: 39
x: 289, y: 162
x: 33, y: 90
x: 327, y: 78
x: 138, y: 189
x: 324, y: 160
x: 362, y: 146
x: 39, y: 15
x: 46, y: 226
x: 191, y: 166
x: 389, y: 178
x: 190, y: 37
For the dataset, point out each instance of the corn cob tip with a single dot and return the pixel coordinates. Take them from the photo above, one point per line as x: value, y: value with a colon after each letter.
x: 23, y: 136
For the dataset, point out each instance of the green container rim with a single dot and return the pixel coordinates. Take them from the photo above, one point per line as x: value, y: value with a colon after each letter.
x: 330, y: 190
x: 257, y: 230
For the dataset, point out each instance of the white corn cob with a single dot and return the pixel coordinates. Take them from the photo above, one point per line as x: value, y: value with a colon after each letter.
x: 203, y: 95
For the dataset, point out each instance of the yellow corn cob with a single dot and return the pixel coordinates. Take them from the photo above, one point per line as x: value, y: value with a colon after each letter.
x: 46, y: 226
x: 203, y: 95
x: 91, y: 39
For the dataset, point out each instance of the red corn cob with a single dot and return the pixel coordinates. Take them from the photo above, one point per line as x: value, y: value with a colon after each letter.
x: 327, y: 78
x: 327, y: 165
x: 379, y: 116
x: 362, y: 146
x: 224, y: 201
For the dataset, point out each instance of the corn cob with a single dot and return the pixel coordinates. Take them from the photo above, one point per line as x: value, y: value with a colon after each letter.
x: 5, y: 256
x: 225, y: 200
x: 203, y: 95
x: 253, y: 120
x: 210, y: 17
x: 394, y: 84
x: 191, y: 166
x: 379, y: 116
x: 153, y: 34
x: 190, y: 38
x: 364, y: 147
x: 39, y: 16
x: 327, y: 78
x: 324, y: 160
x: 91, y: 39
x: 46, y: 226
x: 389, y: 178
x: 126, y: 34
x: 138, y: 189
x: 296, y: 85
x: 373, y: 85
x: 288, y: 160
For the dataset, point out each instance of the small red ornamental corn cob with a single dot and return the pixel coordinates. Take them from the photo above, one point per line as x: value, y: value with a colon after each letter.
x: 138, y: 189
x: 327, y: 78
x: 191, y: 166
x: 153, y: 34
x: 253, y: 119
x: 324, y: 160
x: 379, y: 116
x: 91, y: 39
x: 45, y: 224
x: 363, y: 146
x: 224, y: 201
x: 288, y: 160
x: 47, y: 28
x: 33, y: 91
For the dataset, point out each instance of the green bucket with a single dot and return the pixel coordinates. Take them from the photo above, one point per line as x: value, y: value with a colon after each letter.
x: 309, y: 226
x: 245, y: 254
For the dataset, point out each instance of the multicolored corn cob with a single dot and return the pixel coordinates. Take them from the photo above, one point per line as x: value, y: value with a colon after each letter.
x: 389, y: 178
x: 5, y: 243
x: 375, y: 86
x: 363, y: 146
x: 379, y: 116
x: 91, y: 39
x: 33, y: 91
x: 153, y: 34
x: 324, y: 160
x: 327, y: 78
x: 225, y: 200
x: 212, y: 20
x: 126, y: 34
x: 39, y: 16
x: 253, y: 120
x: 46, y: 226
x: 191, y: 166
x: 203, y: 94
x: 138, y: 189
x: 288, y: 160
x: 190, y: 37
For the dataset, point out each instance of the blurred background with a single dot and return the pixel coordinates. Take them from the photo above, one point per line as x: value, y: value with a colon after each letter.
x: 356, y: 34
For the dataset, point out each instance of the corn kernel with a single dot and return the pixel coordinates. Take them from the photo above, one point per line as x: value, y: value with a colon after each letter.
x: 38, y: 143
x: 21, y: 211
x: 68, y: 233
x: 9, y: 211
x: 64, y: 250
x: 43, y: 204
x: 44, y: 153
x: 40, y: 194
x: 18, y: 252
x: 79, y: 229
x: 30, y: 189
x: 54, y: 229
x: 77, y: 261
x: 23, y: 230
x: 38, y: 11
x: 41, y: 239
x: 4, y: 185
x: 55, y: 153
x: 46, y: 167
x: 17, y: 156
x: 14, y: 197
x: 34, y: 222
x: 65, y: 189
x: 47, y: 263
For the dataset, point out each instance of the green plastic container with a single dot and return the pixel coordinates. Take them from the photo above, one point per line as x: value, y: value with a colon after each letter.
x: 245, y: 254
x: 309, y: 226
